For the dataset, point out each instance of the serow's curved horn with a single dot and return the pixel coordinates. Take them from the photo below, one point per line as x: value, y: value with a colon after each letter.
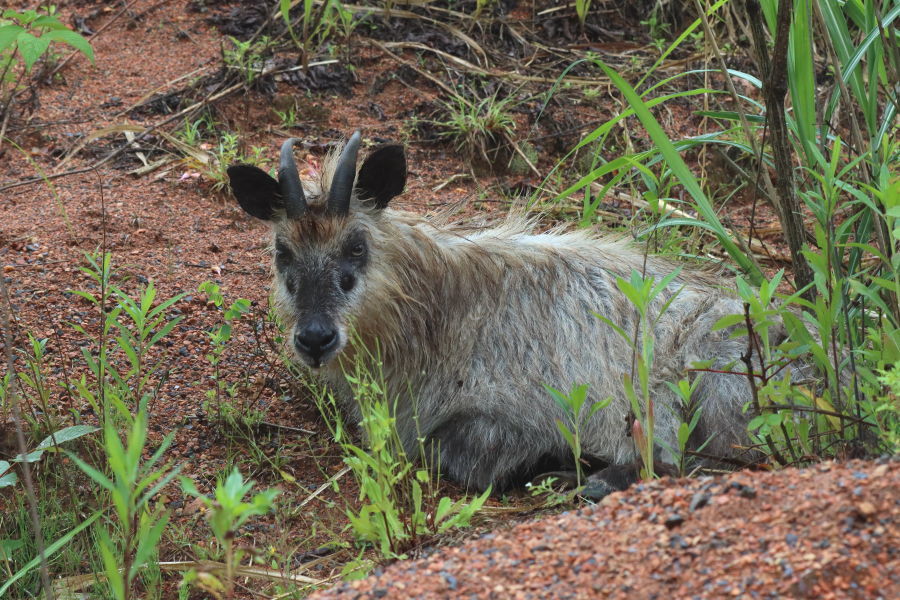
x: 289, y: 182
x: 344, y: 178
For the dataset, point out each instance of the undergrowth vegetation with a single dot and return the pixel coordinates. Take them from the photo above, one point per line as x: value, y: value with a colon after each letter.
x: 833, y: 160
x: 401, y: 494
x: 86, y: 493
x: 26, y: 38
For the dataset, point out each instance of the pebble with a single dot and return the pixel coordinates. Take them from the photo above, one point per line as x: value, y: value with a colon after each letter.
x: 699, y: 500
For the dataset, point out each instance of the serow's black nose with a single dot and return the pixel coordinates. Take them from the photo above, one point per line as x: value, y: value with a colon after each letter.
x: 316, y: 338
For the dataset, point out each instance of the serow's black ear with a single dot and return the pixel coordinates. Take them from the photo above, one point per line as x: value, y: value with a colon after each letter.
x: 256, y: 191
x: 382, y: 175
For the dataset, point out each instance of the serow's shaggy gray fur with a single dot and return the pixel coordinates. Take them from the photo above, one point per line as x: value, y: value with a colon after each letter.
x: 471, y: 322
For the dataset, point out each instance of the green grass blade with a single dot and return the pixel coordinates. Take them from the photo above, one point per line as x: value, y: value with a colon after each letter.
x: 681, y: 170
x: 678, y: 41
x: 802, y: 79
x: 48, y: 552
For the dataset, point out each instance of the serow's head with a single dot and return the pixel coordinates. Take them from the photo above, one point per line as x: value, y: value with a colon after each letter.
x: 324, y: 238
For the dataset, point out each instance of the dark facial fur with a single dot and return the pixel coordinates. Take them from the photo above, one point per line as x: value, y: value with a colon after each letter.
x: 321, y: 253
x: 321, y: 279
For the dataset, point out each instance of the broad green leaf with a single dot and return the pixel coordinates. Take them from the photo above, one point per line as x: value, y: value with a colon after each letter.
x: 7, y: 479
x: 445, y: 506
x: 66, y: 434
x: 566, y: 433
x: 622, y: 333
x: 166, y: 304
x: 8, y: 35
x: 93, y: 473
x: 599, y: 405
x: 86, y: 295
x: 561, y: 399
x: 11, y: 14
x: 684, y: 432
x: 159, y: 485
x: 663, y: 284
x: 728, y: 321
x: 755, y: 423
x: 31, y: 48
x: 7, y: 547
x: 796, y: 328
x: 164, y: 331
x: 47, y: 22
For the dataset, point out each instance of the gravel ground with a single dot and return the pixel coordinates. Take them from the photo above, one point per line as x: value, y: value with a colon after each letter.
x: 830, y: 531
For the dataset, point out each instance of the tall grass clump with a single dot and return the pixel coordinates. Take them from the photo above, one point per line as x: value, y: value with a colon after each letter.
x: 318, y: 21
x: 400, y: 498
x: 824, y: 157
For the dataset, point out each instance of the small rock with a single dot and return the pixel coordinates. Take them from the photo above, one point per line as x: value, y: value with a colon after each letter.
x: 699, y: 501
x: 744, y: 491
x: 673, y: 521
x: 450, y: 579
x: 866, y: 509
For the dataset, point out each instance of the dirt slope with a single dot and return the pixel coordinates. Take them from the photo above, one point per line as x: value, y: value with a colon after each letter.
x: 832, y: 531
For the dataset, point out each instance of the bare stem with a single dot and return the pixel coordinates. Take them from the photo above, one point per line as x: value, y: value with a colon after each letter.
x: 775, y: 87
x: 20, y: 439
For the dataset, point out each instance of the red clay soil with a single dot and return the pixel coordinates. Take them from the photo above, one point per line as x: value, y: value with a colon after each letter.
x: 831, y: 531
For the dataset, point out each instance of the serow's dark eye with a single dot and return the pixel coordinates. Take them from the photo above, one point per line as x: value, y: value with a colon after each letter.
x: 358, y: 250
x: 347, y: 282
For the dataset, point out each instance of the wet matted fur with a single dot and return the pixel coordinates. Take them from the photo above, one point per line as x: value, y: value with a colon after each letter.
x: 471, y: 322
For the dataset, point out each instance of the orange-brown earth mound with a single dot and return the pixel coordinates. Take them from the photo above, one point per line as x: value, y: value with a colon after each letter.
x: 830, y: 531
